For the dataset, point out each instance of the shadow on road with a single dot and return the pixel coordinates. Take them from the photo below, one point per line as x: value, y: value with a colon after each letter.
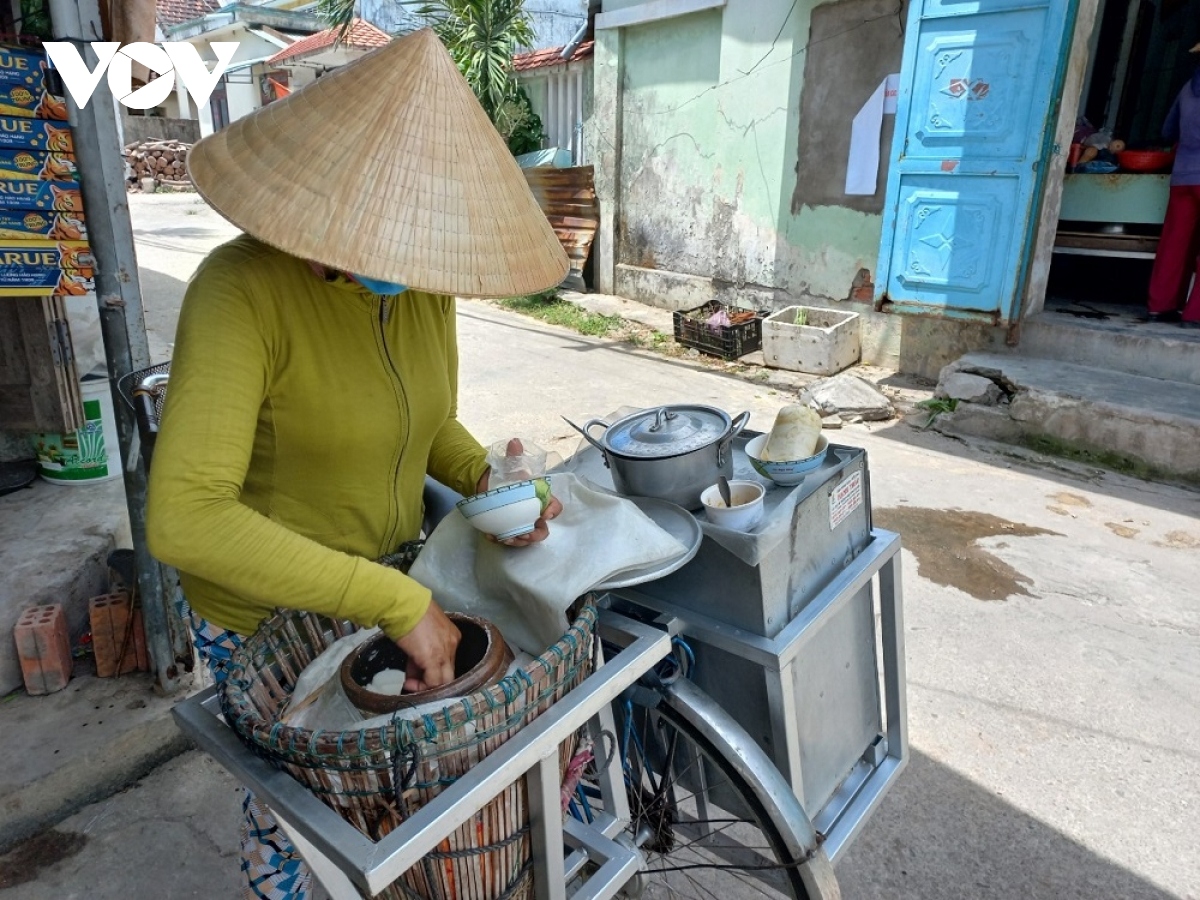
x: 939, y: 836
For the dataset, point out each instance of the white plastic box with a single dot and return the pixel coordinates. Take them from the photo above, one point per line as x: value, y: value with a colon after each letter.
x: 828, y: 341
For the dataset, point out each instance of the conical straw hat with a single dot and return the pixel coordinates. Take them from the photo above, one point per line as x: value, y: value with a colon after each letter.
x: 389, y: 168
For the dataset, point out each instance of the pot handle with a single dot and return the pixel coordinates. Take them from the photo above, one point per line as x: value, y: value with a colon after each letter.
x: 739, y: 422
x: 587, y: 437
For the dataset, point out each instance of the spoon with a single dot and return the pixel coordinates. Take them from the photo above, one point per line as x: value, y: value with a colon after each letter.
x: 723, y: 487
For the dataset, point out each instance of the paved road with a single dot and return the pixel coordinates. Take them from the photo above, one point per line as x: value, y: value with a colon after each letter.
x: 1052, y: 623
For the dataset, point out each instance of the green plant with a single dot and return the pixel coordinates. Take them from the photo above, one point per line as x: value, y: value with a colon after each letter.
x: 550, y: 308
x: 35, y: 19
x: 481, y: 36
x: 936, y: 406
x: 801, y: 317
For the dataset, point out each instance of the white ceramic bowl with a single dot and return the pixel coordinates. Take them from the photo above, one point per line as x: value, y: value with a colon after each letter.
x: 747, y: 509
x: 508, y: 511
x: 788, y: 473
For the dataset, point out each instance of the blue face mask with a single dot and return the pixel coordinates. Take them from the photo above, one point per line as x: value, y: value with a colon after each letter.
x: 386, y: 288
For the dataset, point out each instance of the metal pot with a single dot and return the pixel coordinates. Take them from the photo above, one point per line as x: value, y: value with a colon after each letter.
x: 671, y: 453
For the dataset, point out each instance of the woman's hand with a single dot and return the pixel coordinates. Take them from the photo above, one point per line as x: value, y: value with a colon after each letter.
x: 541, y: 530
x: 430, y: 648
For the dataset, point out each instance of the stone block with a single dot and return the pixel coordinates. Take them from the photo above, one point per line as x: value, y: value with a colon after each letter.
x: 43, y: 648
x: 849, y: 397
x: 969, y: 388
x: 812, y: 339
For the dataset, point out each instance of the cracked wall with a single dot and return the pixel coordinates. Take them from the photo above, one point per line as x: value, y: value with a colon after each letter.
x: 717, y: 151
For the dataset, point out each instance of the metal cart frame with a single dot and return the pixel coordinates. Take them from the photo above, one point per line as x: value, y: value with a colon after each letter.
x: 349, y: 865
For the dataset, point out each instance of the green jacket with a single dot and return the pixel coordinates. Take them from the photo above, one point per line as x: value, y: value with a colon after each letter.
x: 302, y: 415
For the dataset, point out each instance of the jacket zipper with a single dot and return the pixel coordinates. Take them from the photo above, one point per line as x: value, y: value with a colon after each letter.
x: 406, y: 425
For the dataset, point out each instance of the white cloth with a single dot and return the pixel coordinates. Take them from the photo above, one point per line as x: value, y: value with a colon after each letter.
x: 526, y: 591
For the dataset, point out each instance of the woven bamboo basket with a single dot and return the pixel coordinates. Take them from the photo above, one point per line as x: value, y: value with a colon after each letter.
x: 356, y: 772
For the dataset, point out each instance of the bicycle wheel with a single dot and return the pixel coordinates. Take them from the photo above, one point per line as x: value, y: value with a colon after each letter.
x: 704, y: 832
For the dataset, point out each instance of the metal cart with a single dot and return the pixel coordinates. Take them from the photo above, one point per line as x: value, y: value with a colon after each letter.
x: 786, y: 701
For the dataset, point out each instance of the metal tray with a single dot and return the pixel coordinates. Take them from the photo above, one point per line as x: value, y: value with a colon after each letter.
x: 677, y: 522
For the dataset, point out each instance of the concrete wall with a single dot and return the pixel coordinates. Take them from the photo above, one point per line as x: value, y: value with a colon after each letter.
x: 156, y: 128
x: 720, y: 139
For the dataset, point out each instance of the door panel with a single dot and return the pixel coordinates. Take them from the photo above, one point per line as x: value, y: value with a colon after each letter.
x: 968, y: 93
x: 979, y: 88
x: 952, y: 240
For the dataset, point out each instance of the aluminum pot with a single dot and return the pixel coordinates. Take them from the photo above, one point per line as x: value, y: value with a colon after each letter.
x: 671, y: 453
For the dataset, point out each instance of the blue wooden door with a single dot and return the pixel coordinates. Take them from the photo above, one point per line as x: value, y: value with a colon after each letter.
x: 979, y: 95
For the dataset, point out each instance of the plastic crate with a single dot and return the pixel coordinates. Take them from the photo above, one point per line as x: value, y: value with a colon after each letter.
x: 725, y: 341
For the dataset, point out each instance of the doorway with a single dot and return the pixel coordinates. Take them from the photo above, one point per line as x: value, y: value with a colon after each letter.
x: 1113, y: 202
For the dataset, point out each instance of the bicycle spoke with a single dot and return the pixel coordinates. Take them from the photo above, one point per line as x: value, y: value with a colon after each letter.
x: 695, y: 847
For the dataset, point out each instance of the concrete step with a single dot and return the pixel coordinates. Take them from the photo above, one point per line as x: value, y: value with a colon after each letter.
x: 1149, y: 349
x: 54, y: 543
x: 1149, y: 427
x: 65, y: 750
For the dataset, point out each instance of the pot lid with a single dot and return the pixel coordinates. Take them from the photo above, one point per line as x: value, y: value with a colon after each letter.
x: 667, y: 431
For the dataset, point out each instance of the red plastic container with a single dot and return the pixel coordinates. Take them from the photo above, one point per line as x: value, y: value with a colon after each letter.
x: 1145, y: 160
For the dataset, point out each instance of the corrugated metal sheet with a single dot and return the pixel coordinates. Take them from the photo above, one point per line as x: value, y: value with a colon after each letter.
x: 568, y: 197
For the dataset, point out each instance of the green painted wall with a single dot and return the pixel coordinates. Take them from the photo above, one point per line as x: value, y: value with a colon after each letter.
x: 709, y: 118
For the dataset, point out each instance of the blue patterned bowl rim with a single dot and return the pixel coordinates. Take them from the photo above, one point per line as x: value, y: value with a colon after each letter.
x: 501, y: 496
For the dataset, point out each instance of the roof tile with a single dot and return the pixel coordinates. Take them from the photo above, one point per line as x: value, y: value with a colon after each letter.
x: 174, y: 12
x: 551, y: 56
x: 362, y: 35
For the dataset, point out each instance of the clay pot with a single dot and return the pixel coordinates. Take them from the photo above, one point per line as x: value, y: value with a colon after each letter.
x: 481, y: 660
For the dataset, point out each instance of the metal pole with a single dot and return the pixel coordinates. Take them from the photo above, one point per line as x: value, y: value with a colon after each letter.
x: 101, y: 172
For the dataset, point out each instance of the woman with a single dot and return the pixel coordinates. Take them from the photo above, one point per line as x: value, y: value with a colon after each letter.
x: 314, y: 379
x: 1178, y: 256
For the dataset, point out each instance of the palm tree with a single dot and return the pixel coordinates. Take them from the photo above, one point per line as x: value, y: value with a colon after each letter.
x: 482, y: 36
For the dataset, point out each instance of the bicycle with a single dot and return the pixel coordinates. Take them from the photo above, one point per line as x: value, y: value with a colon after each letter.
x: 679, y: 799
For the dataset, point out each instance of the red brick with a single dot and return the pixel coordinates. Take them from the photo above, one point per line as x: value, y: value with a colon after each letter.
x: 110, y: 631
x: 44, y: 648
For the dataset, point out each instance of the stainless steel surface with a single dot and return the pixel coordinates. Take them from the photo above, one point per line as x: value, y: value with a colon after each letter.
x: 678, y: 523
x: 643, y: 451
x: 809, y: 696
x: 764, y: 598
x: 546, y: 829
x: 618, y: 863
x: 665, y: 431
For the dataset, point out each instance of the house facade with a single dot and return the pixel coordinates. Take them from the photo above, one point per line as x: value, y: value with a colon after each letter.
x: 756, y: 152
x: 261, y: 31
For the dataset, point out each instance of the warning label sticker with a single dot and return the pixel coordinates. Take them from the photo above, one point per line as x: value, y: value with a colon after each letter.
x: 845, y: 499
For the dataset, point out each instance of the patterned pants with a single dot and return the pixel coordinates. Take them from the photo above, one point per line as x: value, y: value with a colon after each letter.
x: 272, y: 867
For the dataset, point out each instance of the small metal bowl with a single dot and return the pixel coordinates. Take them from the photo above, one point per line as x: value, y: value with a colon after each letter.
x: 482, y: 659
